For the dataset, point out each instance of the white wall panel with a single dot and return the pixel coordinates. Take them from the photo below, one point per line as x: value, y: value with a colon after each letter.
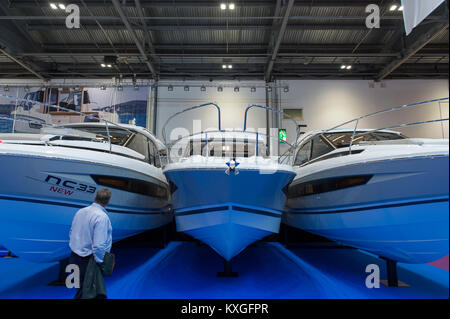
x: 232, y: 106
x: 329, y: 103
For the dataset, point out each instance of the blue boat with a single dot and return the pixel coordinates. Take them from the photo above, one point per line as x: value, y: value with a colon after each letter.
x: 226, y: 190
x: 375, y: 190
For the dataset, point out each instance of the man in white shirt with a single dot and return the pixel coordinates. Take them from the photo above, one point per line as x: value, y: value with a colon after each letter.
x: 90, y: 234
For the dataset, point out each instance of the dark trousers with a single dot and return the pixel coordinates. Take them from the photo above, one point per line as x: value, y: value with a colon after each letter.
x: 82, y: 263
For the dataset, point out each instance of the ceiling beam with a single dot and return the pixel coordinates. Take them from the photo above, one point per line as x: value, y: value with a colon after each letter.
x: 15, y: 39
x: 231, y: 50
x: 420, y: 39
x: 304, y: 47
x: 134, y: 37
x: 23, y: 65
x: 161, y: 4
x: 210, y: 17
x: 145, y: 28
x: 277, y: 42
x: 224, y: 27
x: 224, y: 55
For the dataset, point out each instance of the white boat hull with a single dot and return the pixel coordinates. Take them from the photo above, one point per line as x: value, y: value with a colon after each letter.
x: 401, y: 212
x: 228, y: 212
x: 37, y: 210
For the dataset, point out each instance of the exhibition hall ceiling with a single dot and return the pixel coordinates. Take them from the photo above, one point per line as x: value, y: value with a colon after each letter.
x: 203, y: 39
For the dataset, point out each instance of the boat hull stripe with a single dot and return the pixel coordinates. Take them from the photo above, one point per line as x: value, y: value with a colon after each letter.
x: 46, y: 202
x: 349, y: 210
x: 224, y: 208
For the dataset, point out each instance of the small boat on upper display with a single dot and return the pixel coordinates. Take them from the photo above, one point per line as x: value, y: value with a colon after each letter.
x: 47, y: 177
x: 226, y: 190
x: 374, y: 190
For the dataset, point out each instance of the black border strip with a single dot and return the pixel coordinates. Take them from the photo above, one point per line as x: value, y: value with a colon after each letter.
x: 39, y: 201
x: 255, y: 211
x: 371, y: 207
x: 202, y: 210
x: 222, y: 208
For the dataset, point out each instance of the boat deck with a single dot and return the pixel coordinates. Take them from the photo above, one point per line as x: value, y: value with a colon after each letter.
x: 266, y: 270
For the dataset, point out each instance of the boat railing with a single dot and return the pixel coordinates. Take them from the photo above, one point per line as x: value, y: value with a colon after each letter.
x: 292, y: 148
x: 205, y: 133
x: 89, y: 116
x: 163, y: 132
x: 210, y: 137
x: 388, y: 110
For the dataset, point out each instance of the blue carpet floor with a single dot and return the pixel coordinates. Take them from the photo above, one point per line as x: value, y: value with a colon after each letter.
x: 266, y: 270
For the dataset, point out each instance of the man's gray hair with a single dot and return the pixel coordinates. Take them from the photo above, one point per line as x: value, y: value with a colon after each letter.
x: 103, y: 196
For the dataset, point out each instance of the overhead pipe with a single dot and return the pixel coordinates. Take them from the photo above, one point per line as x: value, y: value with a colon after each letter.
x: 144, y: 24
x: 22, y: 64
x: 135, y: 39
x: 284, y: 22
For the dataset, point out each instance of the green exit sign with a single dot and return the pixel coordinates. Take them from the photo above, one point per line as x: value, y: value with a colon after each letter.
x: 282, y: 135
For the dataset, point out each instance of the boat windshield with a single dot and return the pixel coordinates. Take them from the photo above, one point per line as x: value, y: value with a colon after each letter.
x: 135, y: 141
x: 230, y: 148
x: 118, y: 135
x: 343, y: 139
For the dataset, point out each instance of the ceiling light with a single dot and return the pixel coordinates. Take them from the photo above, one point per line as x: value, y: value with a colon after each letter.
x: 224, y: 66
x: 219, y: 89
x: 231, y: 6
x: 349, y: 67
x: 186, y: 88
x: 286, y: 89
x: 109, y: 66
x: 223, y: 6
x: 393, y: 7
x: 170, y: 88
x: 252, y: 89
x: 103, y: 65
x: 230, y: 66
x: 103, y: 88
x: 203, y: 88
x: 343, y: 66
x: 62, y: 6
x: 400, y: 8
x: 53, y: 6
x: 236, y: 89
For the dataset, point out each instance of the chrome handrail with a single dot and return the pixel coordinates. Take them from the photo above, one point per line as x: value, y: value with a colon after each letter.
x: 403, y: 125
x: 167, y: 144
x: 393, y: 109
x: 163, y: 131
x: 292, y: 148
x: 397, y: 108
x: 64, y: 109
x: 222, y: 131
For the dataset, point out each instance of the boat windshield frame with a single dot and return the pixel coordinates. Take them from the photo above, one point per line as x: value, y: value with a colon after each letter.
x: 230, y: 146
x: 169, y: 146
x: 300, y: 143
x: 332, y: 146
x: 151, y: 153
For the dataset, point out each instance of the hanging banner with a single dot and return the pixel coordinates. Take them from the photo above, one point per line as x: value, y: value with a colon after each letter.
x: 32, y: 107
x: 415, y: 11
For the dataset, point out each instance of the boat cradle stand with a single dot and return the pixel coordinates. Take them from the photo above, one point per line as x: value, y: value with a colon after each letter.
x: 9, y: 255
x: 62, y: 275
x: 227, y: 270
x: 392, y: 281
